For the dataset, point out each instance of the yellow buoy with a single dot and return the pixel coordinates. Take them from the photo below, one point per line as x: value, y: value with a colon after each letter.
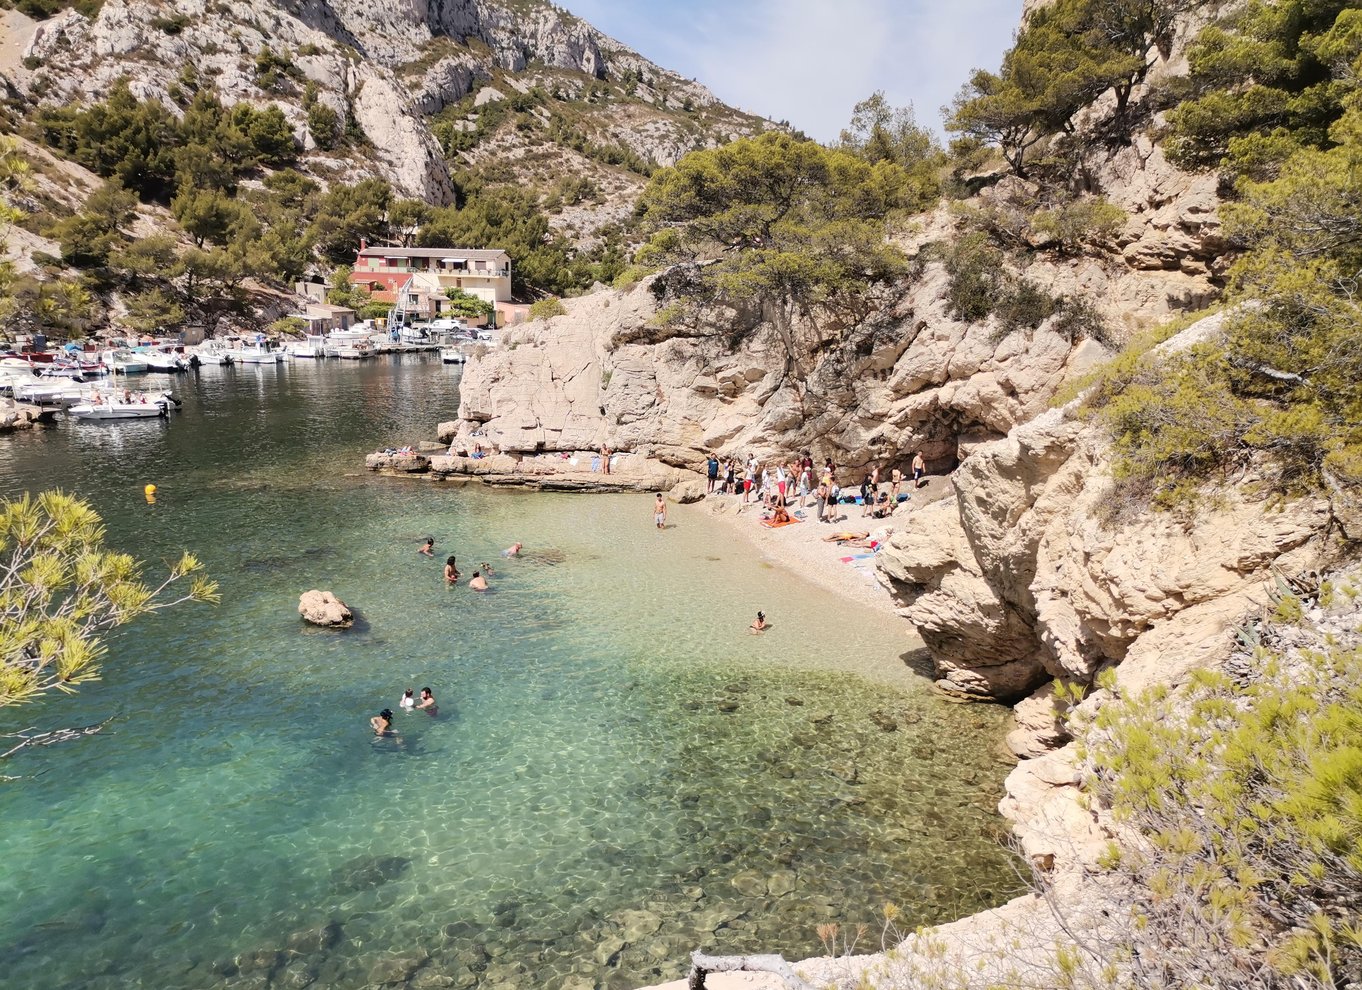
x: 150, y: 492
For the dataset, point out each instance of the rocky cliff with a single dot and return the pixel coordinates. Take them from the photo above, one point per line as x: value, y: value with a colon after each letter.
x: 623, y: 369
x: 383, y: 69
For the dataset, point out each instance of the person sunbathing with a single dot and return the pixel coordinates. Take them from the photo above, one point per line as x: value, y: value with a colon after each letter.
x: 781, y: 517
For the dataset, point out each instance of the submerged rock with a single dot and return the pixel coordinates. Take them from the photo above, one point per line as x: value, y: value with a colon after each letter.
x: 370, y: 871
x: 322, y: 608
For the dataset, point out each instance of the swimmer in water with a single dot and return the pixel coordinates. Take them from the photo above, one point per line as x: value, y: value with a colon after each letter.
x: 760, y: 624
x: 427, y: 703
x: 451, y: 571
x: 428, y: 548
x: 383, y: 722
x: 408, y: 701
x: 512, y: 551
x: 478, y: 582
x: 486, y: 569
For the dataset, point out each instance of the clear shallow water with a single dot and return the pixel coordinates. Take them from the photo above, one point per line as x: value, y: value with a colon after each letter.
x: 619, y: 773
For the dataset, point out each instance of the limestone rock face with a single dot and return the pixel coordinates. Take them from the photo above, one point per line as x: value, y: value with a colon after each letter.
x: 1020, y: 577
x: 322, y: 608
x: 607, y: 373
x: 385, y: 66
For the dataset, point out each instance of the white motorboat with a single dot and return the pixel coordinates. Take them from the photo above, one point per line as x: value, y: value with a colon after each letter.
x: 311, y: 346
x: 213, y: 352
x: 122, y: 361
x: 254, y: 355
x: 452, y: 355
x: 44, y: 392
x: 106, y: 408
x: 165, y: 361
x: 350, y: 344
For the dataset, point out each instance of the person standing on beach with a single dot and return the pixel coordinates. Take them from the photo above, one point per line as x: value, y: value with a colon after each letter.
x: 821, y: 502
x: 895, y: 479
x: 875, y: 481
x: 867, y: 493
x: 605, y: 458
x: 805, y: 485
x: 711, y: 472
x: 749, y: 477
x: 660, y: 512
x: 919, y: 469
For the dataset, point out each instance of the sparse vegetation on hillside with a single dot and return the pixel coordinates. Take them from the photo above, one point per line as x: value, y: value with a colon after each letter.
x: 1247, y: 794
x: 42, y: 9
x: 1283, y: 385
x: 779, y: 217
x: 1269, y: 78
x: 1067, y: 55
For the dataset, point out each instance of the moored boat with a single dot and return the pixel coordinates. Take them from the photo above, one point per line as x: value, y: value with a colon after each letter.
x: 102, y: 407
x: 122, y: 361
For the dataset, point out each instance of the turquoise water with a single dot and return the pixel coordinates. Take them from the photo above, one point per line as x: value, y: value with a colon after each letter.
x: 619, y: 773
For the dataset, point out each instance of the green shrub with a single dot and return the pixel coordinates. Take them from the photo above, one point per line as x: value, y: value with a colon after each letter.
x: 546, y: 309
x: 976, y: 279
x: 1078, y: 319
x: 1248, y: 795
x: 1022, y: 305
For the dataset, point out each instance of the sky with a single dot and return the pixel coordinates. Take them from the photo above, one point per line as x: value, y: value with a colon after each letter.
x: 811, y: 61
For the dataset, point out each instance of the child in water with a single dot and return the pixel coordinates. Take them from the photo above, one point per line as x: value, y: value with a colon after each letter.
x: 428, y: 548
x: 408, y: 701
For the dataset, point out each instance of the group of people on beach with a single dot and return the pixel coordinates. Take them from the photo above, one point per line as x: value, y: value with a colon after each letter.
x: 777, y: 486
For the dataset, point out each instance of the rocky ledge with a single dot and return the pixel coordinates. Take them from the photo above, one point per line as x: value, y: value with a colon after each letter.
x: 546, y: 472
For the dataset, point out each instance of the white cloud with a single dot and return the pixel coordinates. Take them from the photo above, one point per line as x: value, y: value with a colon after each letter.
x: 810, y: 62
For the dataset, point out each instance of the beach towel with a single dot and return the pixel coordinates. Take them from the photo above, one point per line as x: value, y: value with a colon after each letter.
x: 771, y: 524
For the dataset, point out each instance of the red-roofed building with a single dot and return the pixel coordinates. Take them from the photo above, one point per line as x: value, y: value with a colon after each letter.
x: 423, y: 275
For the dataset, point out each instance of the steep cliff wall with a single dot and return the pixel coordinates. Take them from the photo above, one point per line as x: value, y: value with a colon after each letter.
x: 387, y: 68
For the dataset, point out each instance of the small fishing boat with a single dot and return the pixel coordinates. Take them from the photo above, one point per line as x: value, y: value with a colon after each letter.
x: 102, y: 407
x: 122, y: 361
x: 311, y: 346
x: 213, y: 352
x: 163, y: 361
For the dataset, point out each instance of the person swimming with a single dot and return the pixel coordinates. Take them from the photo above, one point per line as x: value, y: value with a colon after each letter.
x: 478, y: 582
x: 428, y: 548
x: 451, y: 571
x: 383, y: 722
x: 486, y: 568
x: 760, y: 624
x: 408, y: 701
x: 427, y: 703
x: 513, y: 550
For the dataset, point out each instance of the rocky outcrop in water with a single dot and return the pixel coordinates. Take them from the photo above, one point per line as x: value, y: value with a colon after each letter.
x: 322, y: 608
